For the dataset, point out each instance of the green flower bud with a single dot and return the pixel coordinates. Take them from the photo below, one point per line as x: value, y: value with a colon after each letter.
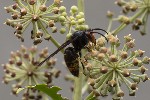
x: 73, y: 22
x: 74, y: 9
x: 68, y: 35
x: 62, y: 30
x: 78, y: 16
x: 62, y: 18
x: 62, y: 23
x: 72, y: 18
x: 62, y: 9
x: 81, y: 21
x: 81, y: 27
x: 81, y: 14
x: 64, y: 14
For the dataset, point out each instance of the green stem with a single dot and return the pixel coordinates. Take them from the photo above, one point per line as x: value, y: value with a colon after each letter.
x: 78, y: 81
x: 78, y: 87
x: 123, y: 25
x: 81, y: 5
x: 110, y: 25
x: 51, y: 38
x: 100, y: 84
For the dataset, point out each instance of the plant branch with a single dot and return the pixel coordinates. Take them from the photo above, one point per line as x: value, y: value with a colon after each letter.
x: 78, y: 81
x: 123, y: 25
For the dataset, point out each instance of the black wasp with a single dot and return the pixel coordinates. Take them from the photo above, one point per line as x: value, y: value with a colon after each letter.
x: 79, y: 40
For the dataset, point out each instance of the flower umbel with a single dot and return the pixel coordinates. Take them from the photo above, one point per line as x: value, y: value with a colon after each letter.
x: 22, y: 68
x: 74, y: 22
x: 141, y: 8
x: 109, y: 68
x: 36, y: 12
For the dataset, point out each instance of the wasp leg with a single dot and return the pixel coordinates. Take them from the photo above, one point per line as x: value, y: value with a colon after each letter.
x: 80, y: 55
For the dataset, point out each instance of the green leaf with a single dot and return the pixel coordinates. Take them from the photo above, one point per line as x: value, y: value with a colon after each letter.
x: 50, y: 91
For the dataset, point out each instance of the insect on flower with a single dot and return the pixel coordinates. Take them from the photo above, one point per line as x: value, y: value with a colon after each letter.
x: 79, y: 40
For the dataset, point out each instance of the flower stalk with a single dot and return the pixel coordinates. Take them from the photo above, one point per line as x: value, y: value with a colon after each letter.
x: 78, y: 81
x: 123, y: 25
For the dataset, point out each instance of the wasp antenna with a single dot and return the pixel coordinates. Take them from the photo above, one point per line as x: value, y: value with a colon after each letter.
x: 100, y: 29
x: 101, y: 35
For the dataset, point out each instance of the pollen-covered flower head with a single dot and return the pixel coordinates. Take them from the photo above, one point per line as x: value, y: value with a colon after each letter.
x: 22, y: 68
x: 110, y: 67
x: 141, y: 9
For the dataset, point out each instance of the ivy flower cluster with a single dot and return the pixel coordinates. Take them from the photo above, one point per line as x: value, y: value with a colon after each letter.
x: 74, y: 22
x: 141, y: 8
x: 109, y: 67
x: 42, y: 17
x: 24, y: 12
x: 22, y: 68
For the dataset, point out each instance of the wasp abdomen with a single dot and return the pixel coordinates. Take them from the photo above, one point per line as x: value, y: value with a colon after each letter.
x: 71, y: 60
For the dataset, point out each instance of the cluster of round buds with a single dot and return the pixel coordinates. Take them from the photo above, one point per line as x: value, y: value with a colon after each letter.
x: 109, y: 67
x: 127, y: 6
x: 24, y: 12
x: 22, y: 68
x: 75, y: 21
x: 142, y: 8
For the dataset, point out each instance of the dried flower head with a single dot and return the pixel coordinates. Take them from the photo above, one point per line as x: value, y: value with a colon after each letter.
x: 38, y: 14
x: 22, y: 68
x: 113, y: 67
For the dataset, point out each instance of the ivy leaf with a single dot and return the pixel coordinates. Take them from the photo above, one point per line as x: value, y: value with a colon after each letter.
x: 50, y: 91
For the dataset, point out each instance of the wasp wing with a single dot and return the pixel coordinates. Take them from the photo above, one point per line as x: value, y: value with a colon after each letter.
x: 60, y: 48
